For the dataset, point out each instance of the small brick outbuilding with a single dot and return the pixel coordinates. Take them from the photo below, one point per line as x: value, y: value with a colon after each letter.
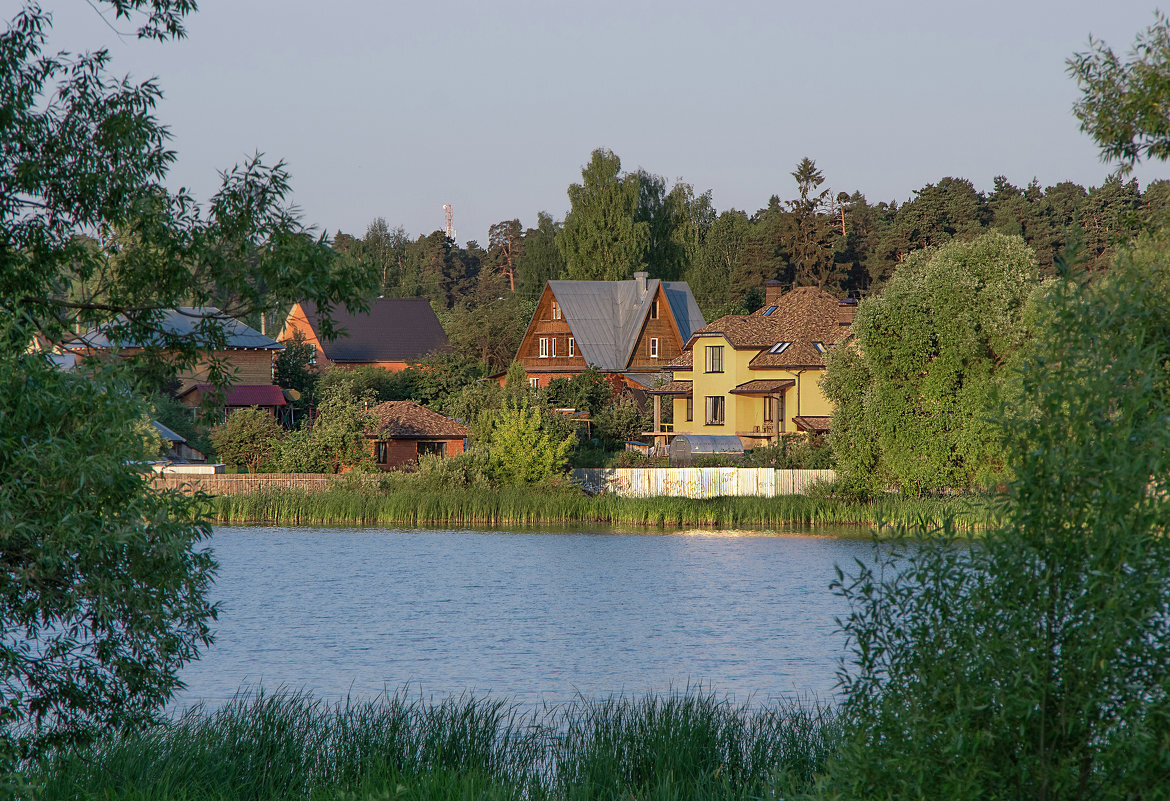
x: 406, y: 431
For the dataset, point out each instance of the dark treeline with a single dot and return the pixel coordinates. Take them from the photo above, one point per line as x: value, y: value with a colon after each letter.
x: 621, y: 222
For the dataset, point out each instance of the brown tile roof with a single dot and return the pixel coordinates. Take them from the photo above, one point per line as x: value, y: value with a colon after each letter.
x: 763, y: 386
x: 685, y: 360
x: 406, y: 420
x: 394, y: 330
x: 818, y: 425
x: 672, y: 388
x: 804, y: 316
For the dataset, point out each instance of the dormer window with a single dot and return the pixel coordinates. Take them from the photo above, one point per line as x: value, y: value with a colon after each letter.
x: 780, y: 347
x: 820, y: 346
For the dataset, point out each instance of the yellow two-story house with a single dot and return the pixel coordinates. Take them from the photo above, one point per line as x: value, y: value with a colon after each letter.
x: 758, y: 376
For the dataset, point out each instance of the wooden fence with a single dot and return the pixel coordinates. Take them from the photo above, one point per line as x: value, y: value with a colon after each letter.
x: 625, y: 482
x: 699, y: 482
x: 243, y: 483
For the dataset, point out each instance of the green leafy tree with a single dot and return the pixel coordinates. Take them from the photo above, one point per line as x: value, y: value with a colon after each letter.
x: 620, y: 421
x: 1123, y: 104
x: 103, y: 595
x: 540, y: 259
x: 715, y: 275
x: 337, y: 439
x: 602, y: 238
x: 521, y: 448
x: 374, y: 384
x: 250, y: 438
x: 293, y: 370
x: 915, y: 397
x: 1032, y: 664
x: 588, y: 391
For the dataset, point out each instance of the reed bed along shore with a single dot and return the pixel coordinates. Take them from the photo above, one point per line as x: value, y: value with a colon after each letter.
x: 567, y: 506
x: 691, y: 745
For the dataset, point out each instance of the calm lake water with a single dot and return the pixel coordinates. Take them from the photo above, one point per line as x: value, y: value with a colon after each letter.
x: 525, y: 615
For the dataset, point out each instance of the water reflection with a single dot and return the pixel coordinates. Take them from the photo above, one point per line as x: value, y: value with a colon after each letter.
x: 532, y: 616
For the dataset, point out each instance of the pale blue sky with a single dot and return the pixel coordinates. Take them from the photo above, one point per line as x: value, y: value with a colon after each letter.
x: 393, y: 109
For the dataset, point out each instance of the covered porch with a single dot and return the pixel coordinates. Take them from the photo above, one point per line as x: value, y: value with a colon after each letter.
x: 770, y: 422
x: 662, y: 432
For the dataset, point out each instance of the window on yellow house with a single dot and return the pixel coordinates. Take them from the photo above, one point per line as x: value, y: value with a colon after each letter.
x: 714, y: 410
x: 714, y: 358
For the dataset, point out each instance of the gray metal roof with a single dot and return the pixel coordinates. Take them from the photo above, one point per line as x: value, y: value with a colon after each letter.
x: 186, y: 322
x: 166, y: 433
x: 607, y: 316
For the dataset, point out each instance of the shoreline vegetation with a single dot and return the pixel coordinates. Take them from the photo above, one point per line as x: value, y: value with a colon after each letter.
x: 356, y: 506
x: 691, y: 744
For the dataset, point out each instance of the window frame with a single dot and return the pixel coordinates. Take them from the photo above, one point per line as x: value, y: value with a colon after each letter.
x: 381, y: 452
x: 553, y: 348
x: 572, y: 347
x: 653, y: 347
x: 543, y: 347
x: 654, y: 310
x: 713, y: 356
x: 715, y: 403
x: 690, y: 408
x: 533, y: 382
x: 556, y: 310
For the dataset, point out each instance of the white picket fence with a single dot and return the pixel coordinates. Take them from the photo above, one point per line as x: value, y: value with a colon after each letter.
x: 699, y: 482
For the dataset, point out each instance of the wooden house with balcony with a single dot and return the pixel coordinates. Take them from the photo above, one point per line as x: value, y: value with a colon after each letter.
x: 629, y: 330
x: 758, y: 376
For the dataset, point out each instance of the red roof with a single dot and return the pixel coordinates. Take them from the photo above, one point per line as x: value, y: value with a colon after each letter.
x: 247, y: 394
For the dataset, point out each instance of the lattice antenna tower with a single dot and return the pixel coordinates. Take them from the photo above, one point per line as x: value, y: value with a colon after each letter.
x: 449, y: 212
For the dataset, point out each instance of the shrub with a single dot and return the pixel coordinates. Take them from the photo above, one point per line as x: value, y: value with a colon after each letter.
x: 250, y: 438
x: 522, y: 450
x: 1035, y: 665
x: 793, y: 452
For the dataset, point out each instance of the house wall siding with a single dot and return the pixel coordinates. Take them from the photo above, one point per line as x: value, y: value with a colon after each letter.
x: 297, y: 322
x: 665, y: 329
x: 543, y: 325
x: 743, y: 414
x: 404, y: 452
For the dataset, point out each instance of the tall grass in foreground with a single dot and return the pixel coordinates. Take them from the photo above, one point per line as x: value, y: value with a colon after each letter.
x: 289, y: 746
x: 522, y: 507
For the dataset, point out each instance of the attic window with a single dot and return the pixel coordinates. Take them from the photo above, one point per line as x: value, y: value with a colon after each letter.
x: 769, y: 310
x: 654, y: 310
x: 820, y: 346
x: 556, y: 310
x: 780, y: 347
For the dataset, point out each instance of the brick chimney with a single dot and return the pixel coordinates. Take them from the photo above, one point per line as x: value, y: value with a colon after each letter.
x: 772, y: 291
x: 846, y: 309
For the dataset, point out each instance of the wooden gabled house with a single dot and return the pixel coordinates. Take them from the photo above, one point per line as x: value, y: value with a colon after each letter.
x: 629, y: 330
x: 395, y: 332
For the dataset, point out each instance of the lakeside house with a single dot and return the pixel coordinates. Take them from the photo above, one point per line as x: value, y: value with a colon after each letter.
x: 628, y: 330
x: 405, y: 431
x: 758, y: 376
x: 395, y: 332
x: 245, y: 354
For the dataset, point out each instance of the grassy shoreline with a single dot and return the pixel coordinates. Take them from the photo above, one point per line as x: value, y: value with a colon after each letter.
x: 567, y: 506
x: 690, y: 745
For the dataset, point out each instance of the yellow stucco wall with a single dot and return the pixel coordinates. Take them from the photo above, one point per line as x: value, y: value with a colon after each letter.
x: 742, y: 414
